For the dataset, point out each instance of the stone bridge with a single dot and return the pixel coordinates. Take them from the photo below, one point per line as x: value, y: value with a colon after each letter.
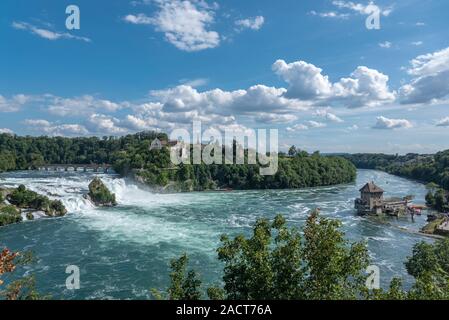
x: 75, y: 167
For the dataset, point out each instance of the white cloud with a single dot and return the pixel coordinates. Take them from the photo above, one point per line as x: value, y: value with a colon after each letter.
x: 184, y: 23
x: 104, y: 124
x: 70, y: 129
x: 426, y: 89
x: 417, y: 43
x: 328, y: 116
x: 14, y: 103
x: 429, y: 64
x: 309, y: 91
x: 362, y: 8
x: 37, y: 122
x: 83, y: 105
x: 297, y: 127
x: 386, y: 123
x: 356, y: 8
x: 431, y: 78
x: 258, y: 98
x: 420, y: 24
x: 332, y: 117
x: 6, y: 130
x: 54, y: 129
x: 365, y: 87
x: 254, y: 23
x: 138, y: 19
x: 306, y: 126
x: 45, y: 33
x: 134, y: 122
x: 316, y: 124
x: 385, y: 45
x: 330, y: 14
x: 275, y: 118
x: 443, y: 122
x: 199, y: 82
x: 304, y: 79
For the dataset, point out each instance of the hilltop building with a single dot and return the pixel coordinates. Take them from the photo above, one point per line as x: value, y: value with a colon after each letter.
x: 156, y: 144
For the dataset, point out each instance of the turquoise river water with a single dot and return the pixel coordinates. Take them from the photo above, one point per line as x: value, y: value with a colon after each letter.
x: 125, y: 251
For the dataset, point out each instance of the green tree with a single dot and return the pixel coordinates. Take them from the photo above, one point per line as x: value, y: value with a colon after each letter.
x: 184, y: 285
x: 335, y: 268
x: 292, y: 151
x: 440, y: 200
x: 275, y: 263
x: 429, y: 264
x: 7, y: 161
x: 430, y: 199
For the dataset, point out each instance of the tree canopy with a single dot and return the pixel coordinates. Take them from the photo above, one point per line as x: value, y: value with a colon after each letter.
x: 131, y: 155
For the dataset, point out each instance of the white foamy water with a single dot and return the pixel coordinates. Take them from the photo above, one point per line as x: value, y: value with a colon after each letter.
x: 70, y: 191
x: 129, y: 221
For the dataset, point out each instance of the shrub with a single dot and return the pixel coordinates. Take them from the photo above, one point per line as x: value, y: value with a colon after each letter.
x: 23, y: 198
x: 9, y: 214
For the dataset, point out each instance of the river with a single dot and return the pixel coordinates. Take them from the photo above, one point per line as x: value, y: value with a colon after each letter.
x: 125, y: 251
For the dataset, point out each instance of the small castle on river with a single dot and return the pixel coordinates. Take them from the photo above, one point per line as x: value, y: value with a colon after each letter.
x: 372, y: 201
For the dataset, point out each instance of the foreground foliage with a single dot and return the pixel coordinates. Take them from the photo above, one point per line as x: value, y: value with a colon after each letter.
x: 278, y: 263
x: 23, y: 288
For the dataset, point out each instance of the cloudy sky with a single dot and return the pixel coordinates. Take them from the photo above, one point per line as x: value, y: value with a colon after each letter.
x: 310, y: 68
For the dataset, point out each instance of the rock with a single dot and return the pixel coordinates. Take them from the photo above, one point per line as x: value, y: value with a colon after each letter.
x: 432, y: 226
x: 56, y: 209
x: 438, y: 224
x: 100, y: 195
x: 29, y: 216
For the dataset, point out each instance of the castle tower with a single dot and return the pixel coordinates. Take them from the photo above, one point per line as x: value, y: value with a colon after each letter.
x: 372, y: 195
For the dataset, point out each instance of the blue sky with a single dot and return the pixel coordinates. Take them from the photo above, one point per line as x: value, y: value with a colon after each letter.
x: 311, y: 69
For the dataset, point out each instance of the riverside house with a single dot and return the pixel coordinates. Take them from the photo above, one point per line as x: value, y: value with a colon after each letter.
x: 372, y: 202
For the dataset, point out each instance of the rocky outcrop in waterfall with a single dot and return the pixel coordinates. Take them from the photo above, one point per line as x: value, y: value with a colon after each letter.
x: 13, y: 201
x: 100, y: 195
